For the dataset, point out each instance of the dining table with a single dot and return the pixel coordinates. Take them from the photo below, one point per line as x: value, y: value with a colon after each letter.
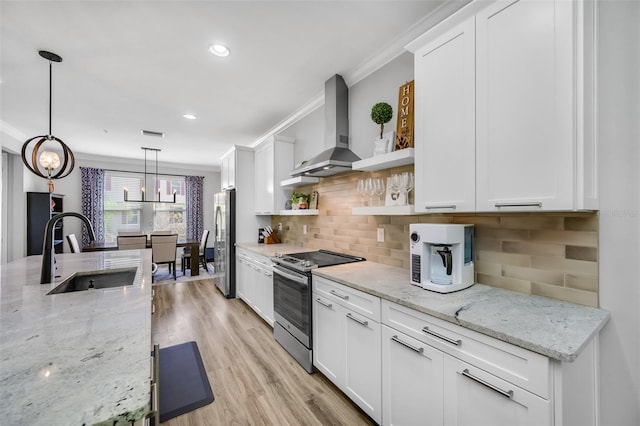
x: 113, y: 245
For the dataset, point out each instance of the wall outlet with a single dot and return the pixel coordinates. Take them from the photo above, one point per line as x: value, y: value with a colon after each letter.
x: 304, y: 229
x: 381, y: 235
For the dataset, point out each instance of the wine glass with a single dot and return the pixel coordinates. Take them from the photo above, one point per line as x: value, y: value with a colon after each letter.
x: 378, y: 186
x: 405, y: 185
x: 362, y: 190
x: 369, y: 184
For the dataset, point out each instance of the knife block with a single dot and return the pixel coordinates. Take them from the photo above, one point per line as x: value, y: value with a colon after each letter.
x: 272, y: 239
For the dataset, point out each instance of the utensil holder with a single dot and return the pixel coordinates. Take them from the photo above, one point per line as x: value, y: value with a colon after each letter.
x: 272, y: 239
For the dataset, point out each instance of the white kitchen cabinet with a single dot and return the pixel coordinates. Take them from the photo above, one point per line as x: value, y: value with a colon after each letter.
x: 244, y: 272
x: 477, y: 380
x: 328, y: 339
x: 510, y: 86
x: 412, y: 381
x: 473, y: 397
x: 254, y: 283
x: 230, y: 161
x: 445, y: 163
x: 237, y: 172
x: 363, y: 363
x: 273, y: 163
x: 525, y: 106
x: 346, y: 342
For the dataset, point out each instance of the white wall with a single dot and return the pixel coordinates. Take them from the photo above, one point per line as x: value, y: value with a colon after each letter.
x: 619, y: 155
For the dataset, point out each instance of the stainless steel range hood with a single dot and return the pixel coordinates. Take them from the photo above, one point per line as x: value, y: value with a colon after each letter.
x: 337, y: 158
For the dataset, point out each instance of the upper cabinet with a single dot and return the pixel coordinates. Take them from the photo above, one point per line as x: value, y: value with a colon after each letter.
x: 237, y: 159
x: 504, y: 110
x: 274, y: 161
x: 445, y: 162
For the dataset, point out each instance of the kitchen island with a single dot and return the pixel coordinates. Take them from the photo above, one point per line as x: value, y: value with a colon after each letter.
x: 75, y: 358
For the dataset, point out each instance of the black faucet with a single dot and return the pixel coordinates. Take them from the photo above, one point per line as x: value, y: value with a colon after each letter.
x: 46, y: 273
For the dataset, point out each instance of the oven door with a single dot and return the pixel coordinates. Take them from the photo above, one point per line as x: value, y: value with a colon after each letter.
x: 292, y: 302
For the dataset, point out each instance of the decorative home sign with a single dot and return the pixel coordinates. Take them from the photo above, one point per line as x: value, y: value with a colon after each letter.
x: 404, y: 133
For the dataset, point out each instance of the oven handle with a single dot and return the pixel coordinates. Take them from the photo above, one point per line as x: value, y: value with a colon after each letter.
x: 279, y: 270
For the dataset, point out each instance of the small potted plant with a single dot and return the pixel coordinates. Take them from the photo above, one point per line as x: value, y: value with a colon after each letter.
x: 299, y: 200
x: 381, y: 114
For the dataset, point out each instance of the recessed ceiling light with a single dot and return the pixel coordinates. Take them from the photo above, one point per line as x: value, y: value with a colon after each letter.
x: 219, y: 49
x: 189, y: 116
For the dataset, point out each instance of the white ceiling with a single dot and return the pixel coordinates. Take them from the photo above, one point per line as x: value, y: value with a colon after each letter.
x: 132, y: 65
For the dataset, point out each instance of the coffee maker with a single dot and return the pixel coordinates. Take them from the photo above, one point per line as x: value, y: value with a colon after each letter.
x: 442, y: 256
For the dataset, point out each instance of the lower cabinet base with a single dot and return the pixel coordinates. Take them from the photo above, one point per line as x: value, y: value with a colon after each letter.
x: 297, y: 350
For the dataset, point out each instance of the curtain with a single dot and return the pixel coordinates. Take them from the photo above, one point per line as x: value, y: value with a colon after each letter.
x: 93, y: 202
x: 193, y: 202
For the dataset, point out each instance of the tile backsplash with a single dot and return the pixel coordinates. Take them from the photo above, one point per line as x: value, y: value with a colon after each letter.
x: 548, y: 254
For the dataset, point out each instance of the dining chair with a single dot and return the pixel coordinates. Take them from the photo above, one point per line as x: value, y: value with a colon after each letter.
x: 73, y: 243
x: 163, y: 250
x: 186, y: 253
x: 129, y: 233
x: 162, y: 232
x: 131, y: 242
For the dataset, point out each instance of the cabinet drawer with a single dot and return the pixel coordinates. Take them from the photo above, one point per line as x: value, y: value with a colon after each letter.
x: 264, y: 261
x: 356, y: 300
x: 519, y: 366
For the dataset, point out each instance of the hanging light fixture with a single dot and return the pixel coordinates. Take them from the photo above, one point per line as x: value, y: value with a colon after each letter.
x: 143, y: 198
x: 44, y: 162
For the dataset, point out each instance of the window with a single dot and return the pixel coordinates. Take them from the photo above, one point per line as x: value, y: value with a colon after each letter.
x: 145, y: 217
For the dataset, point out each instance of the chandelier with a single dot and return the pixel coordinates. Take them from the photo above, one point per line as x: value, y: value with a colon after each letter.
x: 143, y: 197
x: 44, y: 162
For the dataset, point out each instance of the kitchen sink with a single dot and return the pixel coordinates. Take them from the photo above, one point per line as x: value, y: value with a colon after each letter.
x: 93, y: 280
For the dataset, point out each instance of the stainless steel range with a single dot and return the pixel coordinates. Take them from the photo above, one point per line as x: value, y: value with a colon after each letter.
x: 292, y: 299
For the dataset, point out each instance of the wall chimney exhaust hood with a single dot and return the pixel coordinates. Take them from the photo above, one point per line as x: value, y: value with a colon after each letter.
x: 337, y: 158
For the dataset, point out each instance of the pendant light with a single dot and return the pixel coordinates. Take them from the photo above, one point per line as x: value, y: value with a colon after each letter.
x: 143, y: 198
x: 45, y: 162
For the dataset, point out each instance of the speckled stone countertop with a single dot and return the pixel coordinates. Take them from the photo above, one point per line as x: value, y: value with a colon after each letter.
x: 75, y: 358
x: 271, y: 249
x: 557, y: 329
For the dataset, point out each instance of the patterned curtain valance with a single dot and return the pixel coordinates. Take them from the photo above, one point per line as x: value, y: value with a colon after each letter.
x: 93, y: 202
x: 194, y: 197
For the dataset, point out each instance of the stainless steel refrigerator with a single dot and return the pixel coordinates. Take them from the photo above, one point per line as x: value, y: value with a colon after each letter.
x: 224, y: 242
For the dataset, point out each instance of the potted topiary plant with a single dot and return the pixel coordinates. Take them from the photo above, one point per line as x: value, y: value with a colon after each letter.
x: 381, y: 114
x: 299, y: 200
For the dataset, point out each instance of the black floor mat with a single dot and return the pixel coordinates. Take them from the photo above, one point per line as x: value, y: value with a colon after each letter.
x: 184, y: 385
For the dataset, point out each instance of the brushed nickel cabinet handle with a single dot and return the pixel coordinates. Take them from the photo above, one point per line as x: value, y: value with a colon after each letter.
x: 451, y: 206
x: 341, y: 296
x: 407, y: 345
x: 359, y: 321
x: 506, y: 394
x: 328, y: 305
x: 531, y: 204
x: 441, y: 336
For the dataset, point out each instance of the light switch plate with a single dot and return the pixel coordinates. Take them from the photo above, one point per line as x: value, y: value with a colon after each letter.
x: 304, y: 229
x: 381, y: 235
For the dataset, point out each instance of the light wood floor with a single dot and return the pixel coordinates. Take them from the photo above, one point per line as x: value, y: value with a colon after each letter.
x: 254, y: 381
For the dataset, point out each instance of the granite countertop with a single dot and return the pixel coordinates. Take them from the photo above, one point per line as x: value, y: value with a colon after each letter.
x: 559, y: 330
x: 271, y: 249
x: 75, y: 358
